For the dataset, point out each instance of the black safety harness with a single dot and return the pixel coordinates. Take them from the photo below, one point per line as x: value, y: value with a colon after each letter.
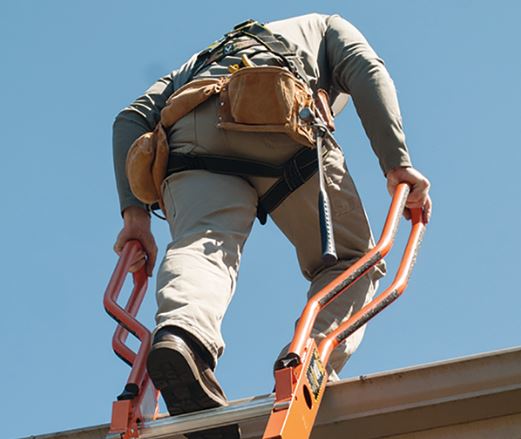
x: 291, y: 174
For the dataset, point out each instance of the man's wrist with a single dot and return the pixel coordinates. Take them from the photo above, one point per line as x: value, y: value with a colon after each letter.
x: 396, y: 169
x: 133, y: 214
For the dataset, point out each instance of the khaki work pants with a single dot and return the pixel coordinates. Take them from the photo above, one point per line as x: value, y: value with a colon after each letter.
x: 211, y: 215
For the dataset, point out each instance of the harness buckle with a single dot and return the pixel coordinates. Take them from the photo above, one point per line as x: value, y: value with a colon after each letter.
x: 228, y: 48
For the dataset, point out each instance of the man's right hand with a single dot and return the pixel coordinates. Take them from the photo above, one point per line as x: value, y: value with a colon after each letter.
x: 137, y: 226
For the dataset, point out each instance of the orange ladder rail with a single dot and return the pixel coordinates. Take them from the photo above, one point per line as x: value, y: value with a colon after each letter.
x: 139, y: 400
x: 301, y: 377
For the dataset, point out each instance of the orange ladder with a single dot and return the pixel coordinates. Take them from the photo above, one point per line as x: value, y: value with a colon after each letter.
x: 301, y: 376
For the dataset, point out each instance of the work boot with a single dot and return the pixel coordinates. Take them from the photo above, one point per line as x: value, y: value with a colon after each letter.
x: 180, y: 369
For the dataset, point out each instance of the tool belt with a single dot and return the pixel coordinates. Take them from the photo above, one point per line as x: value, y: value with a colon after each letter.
x: 257, y: 99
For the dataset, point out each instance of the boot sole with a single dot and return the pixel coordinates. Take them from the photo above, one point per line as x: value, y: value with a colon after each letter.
x: 177, y: 377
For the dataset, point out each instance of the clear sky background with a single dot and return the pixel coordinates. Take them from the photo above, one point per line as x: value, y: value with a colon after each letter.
x: 68, y: 67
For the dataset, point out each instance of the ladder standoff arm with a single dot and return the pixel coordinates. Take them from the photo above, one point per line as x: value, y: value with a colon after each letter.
x: 301, y: 377
x: 138, y: 401
x: 389, y: 295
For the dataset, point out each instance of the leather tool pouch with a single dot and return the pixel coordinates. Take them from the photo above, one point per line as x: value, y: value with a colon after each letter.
x: 147, y: 158
x: 266, y: 99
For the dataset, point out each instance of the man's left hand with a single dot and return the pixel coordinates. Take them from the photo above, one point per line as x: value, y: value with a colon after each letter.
x: 419, y: 196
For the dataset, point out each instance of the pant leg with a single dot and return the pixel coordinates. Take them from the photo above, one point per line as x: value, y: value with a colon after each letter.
x: 210, y: 217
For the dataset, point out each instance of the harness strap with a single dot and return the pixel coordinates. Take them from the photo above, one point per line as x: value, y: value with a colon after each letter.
x: 282, y: 48
x: 297, y: 170
x: 258, y: 34
x: 292, y: 174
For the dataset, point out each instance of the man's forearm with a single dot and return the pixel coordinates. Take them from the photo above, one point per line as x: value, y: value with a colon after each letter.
x: 126, y: 129
x: 376, y: 103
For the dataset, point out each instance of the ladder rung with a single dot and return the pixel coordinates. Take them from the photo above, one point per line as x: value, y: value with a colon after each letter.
x: 236, y: 412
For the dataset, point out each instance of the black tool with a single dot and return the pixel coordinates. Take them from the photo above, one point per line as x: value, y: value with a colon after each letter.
x: 329, y: 256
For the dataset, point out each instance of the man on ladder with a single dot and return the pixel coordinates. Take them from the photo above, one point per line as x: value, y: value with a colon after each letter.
x: 238, y: 148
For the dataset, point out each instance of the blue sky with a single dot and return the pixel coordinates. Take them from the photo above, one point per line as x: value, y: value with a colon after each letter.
x: 69, y: 67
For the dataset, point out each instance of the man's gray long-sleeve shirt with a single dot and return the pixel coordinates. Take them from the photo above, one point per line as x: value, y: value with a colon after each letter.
x: 336, y: 58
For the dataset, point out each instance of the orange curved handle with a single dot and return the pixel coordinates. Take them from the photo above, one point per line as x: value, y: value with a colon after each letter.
x: 138, y: 402
x: 126, y: 316
x: 389, y: 295
x: 336, y: 287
